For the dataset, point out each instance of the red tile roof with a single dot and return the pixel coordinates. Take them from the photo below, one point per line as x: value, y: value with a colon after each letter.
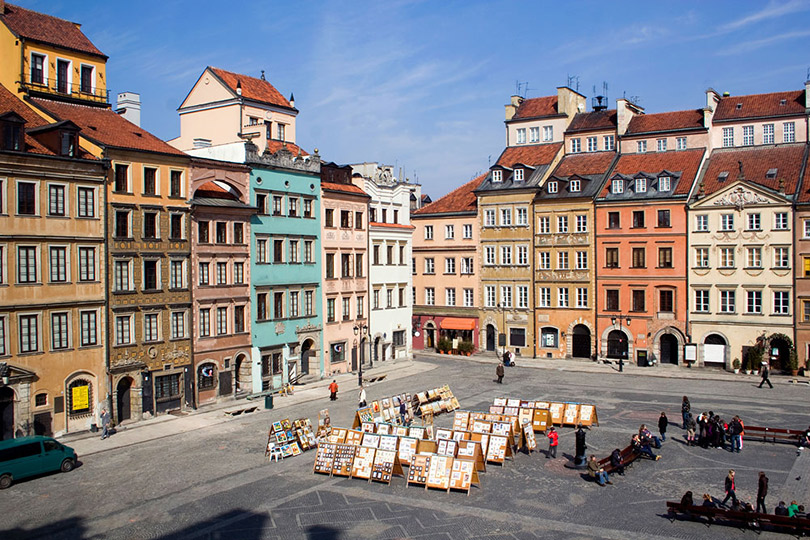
x: 275, y: 146
x: 537, y: 107
x: 803, y: 195
x: 345, y: 188
x: 211, y: 190
x: 584, y: 164
x: 47, y: 29
x: 756, y: 161
x: 667, y: 121
x: 391, y: 225
x: 758, y: 105
x: 461, y: 199
x: 685, y: 162
x: 532, y: 154
x: 252, y: 88
x: 592, y: 121
x: 105, y: 127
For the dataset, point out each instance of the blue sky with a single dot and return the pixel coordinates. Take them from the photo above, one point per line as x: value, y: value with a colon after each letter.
x: 422, y: 84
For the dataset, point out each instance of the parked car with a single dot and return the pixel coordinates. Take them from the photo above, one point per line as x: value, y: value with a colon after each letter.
x: 30, y: 456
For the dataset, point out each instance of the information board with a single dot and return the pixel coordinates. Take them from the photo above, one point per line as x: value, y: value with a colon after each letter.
x: 363, y: 462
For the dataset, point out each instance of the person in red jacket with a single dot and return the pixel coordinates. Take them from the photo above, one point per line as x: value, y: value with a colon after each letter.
x: 553, y: 439
x: 333, y: 388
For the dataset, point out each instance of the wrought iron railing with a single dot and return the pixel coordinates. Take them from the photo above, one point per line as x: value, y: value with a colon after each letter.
x: 57, y: 86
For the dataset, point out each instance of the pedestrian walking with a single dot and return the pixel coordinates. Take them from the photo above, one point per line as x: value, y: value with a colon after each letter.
x: 663, y: 422
x: 403, y: 412
x: 762, y: 491
x: 686, y: 409
x: 499, y: 373
x: 333, y: 390
x: 362, y: 398
x: 553, y: 440
x: 765, y: 372
x: 105, y: 424
x: 730, y: 487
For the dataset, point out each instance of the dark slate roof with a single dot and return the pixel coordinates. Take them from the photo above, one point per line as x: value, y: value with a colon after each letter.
x: 592, y: 121
x: 535, y: 159
x: 681, y: 166
x: 589, y: 168
x: 224, y: 203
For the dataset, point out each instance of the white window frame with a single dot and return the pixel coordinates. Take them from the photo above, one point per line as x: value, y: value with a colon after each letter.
x: 522, y: 297
x: 641, y: 147
x: 582, y: 260
x: 661, y: 145
x: 544, y: 260
x: 562, y: 297
x: 728, y: 137
x: 574, y: 186
x: 701, y: 223
x: 489, y: 255
x: 680, y: 143
x: 428, y: 232
x: 506, y: 296
x: 449, y: 232
x: 702, y: 300
x: 552, y: 186
x: 523, y: 255
x: 617, y: 186
x: 641, y: 185
x: 781, y: 306
x: 789, y: 132
x: 430, y: 296
x: 576, y: 145
x: 781, y: 221
x: 544, y: 297
x: 748, y: 135
x: 497, y: 176
x: 489, y: 296
x: 520, y: 136
x: 489, y: 217
x: 591, y: 144
x: 609, y: 142
x: 37, y: 318
x: 469, y: 297
x: 562, y: 224
x: 506, y: 217
x: 521, y: 216
x: 450, y: 296
x: 753, y: 302
x: 506, y: 255
x: 582, y: 297
x: 544, y: 225
x: 518, y: 175
x: 534, y: 134
x: 582, y: 223
x: 467, y: 231
x: 728, y: 300
x: 119, y: 328
x: 767, y: 133
x: 548, y: 133
x: 151, y: 326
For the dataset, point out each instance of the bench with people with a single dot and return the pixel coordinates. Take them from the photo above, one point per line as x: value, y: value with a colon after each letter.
x: 741, y: 515
x: 619, y: 460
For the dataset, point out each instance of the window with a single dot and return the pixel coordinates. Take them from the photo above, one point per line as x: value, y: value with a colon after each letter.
x: 489, y: 296
x: 641, y: 185
x: 544, y: 260
x: 748, y: 135
x: 591, y: 142
x: 292, y: 208
x: 239, y: 315
x: 63, y: 72
x: 582, y: 297
x: 727, y: 302
x: 497, y: 176
x: 178, y: 325
x: 149, y: 181
x: 726, y: 257
x: 205, y: 318
x: 358, y: 220
x: 781, y: 303
x: 430, y: 267
x: 122, y: 224
x: 576, y: 146
x: 639, y: 300
x: 59, y: 331
x: 781, y: 257
x: 613, y: 220
x: 203, y: 267
x: 548, y: 133
x: 562, y: 297
x: 384, y: 215
x: 56, y: 200
x: 702, y: 257
x: 506, y: 255
x: 150, y: 227
x: 767, y: 134
x: 582, y: 260
x: 780, y: 221
x: 489, y: 218
x: 308, y: 305
x: 261, y: 203
x: 450, y: 265
x: 58, y: 260
x: 278, y: 251
x: 280, y: 132
x: 294, y: 258
x: 345, y: 219
x: 753, y: 222
x: 562, y: 260
x: 151, y: 327
x: 665, y: 257
x: 664, y: 184
x: 727, y: 222
x: 609, y: 142
x: 177, y: 275
x: 638, y: 258
x: 562, y: 224
x: 26, y: 199
x: 121, y: 178
x: 517, y: 337
x: 680, y: 143
x: 522, y: 297
x: 123, y: 333
x: 641, y: 147
x: 167, y: 387
x: 523, y: 255
x: 638, y: 219
x: 612, y: 300
x: 307, y: 208
x: 330, y: 266
x: 29, y: 333
x: 222, y: 321
x: 544, y: 225
x: 346, y: 308
x: 552, y: 186
x: 86, y: 81
x: 87, y: 202
x: 38, y: 69
x: 506, y: 217
x: 358, y: 265
x: 574, y: 186
x: 87, y: 264
x: 805, y: 318
x: 702, y: 301
x: 521, y: 136
x: 701, y: 223
x: 308, y: 252
x: 89, y: 332
x: 450, y: 297
x: 150, y: 275
x: 176, y: 227
x: 617, y: 186
x: 506, y: 296
x: 544, y: 297
x: 534, y: 134
x: 661, y: 145
x: 449, y: 232
x: 345, y: 265
x: 467, y: 231
x: 664, y: 219
x: 582, y: 224
x: 522, y: 216
x: 753, y: 302
x: 277, y: 205
x: 789, y: 132
x: 360, y: 305
x: 469, y: 298
x: 430, y: 296
x: 728, y: 137
x: 611, y: 257
x: 222, y: 232
x: 428, y: 232
x: 121, y: 276
x: 26, y: 264
x: 666, y: 301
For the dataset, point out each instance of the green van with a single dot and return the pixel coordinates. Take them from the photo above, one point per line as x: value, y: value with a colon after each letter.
x: 30, y: 456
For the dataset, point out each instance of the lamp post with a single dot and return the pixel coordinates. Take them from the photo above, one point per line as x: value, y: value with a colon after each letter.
x: 360, y: 331
x: 621, y: 356
x: 502, y: 307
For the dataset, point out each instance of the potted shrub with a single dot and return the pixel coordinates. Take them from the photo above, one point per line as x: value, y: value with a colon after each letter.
x: 444, y: 346
x: 754, y: 358
x: 793, y: 362
x: 736, y: 365
x: 466, y: 347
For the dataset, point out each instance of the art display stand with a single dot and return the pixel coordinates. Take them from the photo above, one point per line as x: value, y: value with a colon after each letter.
x: 559, y: 413
x: 363, y: 462
x: 471, y: 451
x: 343, y: 460
x: 289, y: 439
x: 324, y: 459
x: 527, y: 438
x: 499, y: 449
x: 439, y: 473
x: 386, y: 464
x: 418, y: 470
x: 437, y: 401
x: 464, y: 475
x: 385, y: 410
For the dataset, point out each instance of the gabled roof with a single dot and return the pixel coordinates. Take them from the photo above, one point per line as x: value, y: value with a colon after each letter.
x: 756, y: 162
x: 758, y: 105
x: 534, y: 158
x: 530, y: 154
x: 343, y: 188
x: 682, y: 167
x: 667, y: 121
x: 252, y: 88
x: 590, y: 168
x: 105, y: 127
x: 537, y: 108
x: 461, y: 199
x: 593, y: 121
x: 37, y: 26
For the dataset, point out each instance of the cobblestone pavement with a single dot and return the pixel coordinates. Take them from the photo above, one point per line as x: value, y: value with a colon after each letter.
x: 214, y: 482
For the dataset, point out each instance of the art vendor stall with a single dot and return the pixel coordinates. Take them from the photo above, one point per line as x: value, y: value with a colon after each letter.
x: 544, y: 413
x: 288, y: 439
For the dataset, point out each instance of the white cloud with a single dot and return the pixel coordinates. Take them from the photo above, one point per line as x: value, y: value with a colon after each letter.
x: 748, y: 46
x: 771, y: 11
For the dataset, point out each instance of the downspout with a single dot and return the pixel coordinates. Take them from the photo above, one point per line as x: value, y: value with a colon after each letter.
x: 533, y: 279
x: 108, y: 325
x: 22, y: 60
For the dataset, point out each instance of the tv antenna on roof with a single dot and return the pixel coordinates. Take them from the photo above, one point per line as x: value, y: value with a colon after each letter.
x: 521, y: 88
x: 572, y: 79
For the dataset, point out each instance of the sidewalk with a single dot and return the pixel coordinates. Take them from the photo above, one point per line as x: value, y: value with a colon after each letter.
x: 166, y: 425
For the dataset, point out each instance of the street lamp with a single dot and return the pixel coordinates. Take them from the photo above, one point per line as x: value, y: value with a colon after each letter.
x: 502, y: 307
x: 621, y: 355
x: 362, y: 331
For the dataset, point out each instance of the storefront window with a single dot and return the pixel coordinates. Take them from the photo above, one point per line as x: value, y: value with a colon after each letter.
x: 517, y: 337
x: 167, y: 387
x: 338, y: 352
x: 206, y: 376
x: 549, y: 338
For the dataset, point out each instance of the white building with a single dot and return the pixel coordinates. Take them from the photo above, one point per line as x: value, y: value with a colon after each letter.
x: 390, y: 234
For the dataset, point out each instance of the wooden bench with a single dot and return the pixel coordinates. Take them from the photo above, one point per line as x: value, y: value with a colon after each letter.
x: 774, y: 434
x: 628, y: 456
x: 743, y: 520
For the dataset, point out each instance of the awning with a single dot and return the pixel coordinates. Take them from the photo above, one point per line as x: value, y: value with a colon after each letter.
x: 457, y: 324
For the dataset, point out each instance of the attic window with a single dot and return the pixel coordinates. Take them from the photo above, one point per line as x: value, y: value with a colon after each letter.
x: 722, y: 177
x: 771, y: 173
x: 12, y: 135
x: 552, y: 187
x: 497, y: 176
x: 518, y: 175
x: 739, y: 106
x: 617, y: 186
x: 664, y: 184
x: 67, y: 143
x: 641, y: 185
x: 574, y: 186
x: 783, y: 102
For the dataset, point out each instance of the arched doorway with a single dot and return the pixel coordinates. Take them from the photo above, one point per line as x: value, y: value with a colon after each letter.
x: 376, y: 352
x: 306, y: 354
x: 124, y: 399
x: 669, y: 349
x: 617, y: 344
x: 581, y: 342
x: 714, y: 351
x: 778, y: 353
x: 243, y: 375
x: 79, y: 404
x: 6, y: 413
x: 430, y: 336
x: 490, y: 337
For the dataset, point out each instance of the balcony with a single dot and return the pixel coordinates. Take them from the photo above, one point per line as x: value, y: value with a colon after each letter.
x: 60, y: 88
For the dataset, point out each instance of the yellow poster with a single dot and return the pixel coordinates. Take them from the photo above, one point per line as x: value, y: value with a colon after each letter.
x: 80, y: 398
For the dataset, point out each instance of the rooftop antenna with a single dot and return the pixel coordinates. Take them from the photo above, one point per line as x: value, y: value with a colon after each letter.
x: 521, y: 88
x: 489, y: 161
x: 600, y: 101
x: 573, y: 82
x: 808, y: 74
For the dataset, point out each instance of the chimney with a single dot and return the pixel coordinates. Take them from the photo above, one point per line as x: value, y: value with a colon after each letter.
x: 569, y: 102
x: 292, y: 100
x: 239, y: 88
x: 625, y: 111
x: 806, y: 90
x: 511, y: 109
x: 129, y: 106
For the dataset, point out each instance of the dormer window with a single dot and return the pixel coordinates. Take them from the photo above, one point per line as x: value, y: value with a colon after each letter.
x: 664, y: 183
x: 552, y: 187
x: 617, y: 186
x: 574, y: 186
x: 722, y: 177
x: 641, y: 185
x: 783, y: 102
x: 497, y: 176
x: 739, y: 106
x: 771, y: 173
x: 67, y: 146
x: 11, y: 131
x: 518, y: 175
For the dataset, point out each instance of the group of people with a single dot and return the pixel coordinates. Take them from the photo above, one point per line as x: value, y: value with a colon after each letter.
x: 708, y: 430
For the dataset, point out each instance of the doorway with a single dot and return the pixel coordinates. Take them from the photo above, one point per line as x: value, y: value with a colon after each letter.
x: 779, y: 354
x: 617, y: 344
x: 714, y: 351
x: 490, y: 337
x: 669, y: 349
x: 6, y: 413
x: 243, y: 379
x: 376, y: 356
x: 581, y: 342
x: 306, y: 353
x: 124, y: 399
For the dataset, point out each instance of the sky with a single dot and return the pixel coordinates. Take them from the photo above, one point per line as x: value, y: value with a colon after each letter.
x: 421, y: 85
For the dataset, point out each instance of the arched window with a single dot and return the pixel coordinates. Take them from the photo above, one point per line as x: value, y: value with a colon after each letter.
x: 79, y: 397
x: 206, y: 376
